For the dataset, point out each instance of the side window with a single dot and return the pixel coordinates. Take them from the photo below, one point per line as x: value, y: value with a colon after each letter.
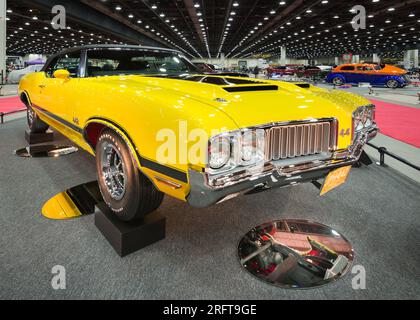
x: 101, y: 66
x: 347, y: 68
x: 360, y: 68
x: 69, y: 62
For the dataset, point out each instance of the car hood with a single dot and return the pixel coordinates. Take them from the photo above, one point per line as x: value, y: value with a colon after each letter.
x: 393, y: 70
x: 251, y: 102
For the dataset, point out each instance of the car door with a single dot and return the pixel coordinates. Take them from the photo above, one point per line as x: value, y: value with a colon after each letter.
x: 57, y: 95
x: 349, y: 73
x: 360, y: 75
x: 372, y: 75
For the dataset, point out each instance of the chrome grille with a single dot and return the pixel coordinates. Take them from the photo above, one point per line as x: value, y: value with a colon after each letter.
x: 299, y: 140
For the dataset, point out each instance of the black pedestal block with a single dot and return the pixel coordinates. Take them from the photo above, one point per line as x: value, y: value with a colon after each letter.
x: 127, y: 238
x: 35, y: 138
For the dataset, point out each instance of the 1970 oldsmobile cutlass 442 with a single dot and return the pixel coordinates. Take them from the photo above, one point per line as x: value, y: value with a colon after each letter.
x: 157, y: 126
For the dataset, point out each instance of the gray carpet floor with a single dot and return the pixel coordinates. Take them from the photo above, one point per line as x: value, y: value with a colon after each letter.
x: 377, y: 210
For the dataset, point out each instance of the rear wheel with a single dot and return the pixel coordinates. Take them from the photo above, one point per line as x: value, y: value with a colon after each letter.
x: 338, y: 81
x: 36, y: 125
x: 128, y: 193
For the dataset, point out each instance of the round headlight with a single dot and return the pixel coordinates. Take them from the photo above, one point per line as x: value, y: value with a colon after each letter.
x: 358, y: 120
x: 363, y: 118
x: 248, y: 152
x: 219, y: 152
x: 365, y: 115
x: 249, y: 146
x: 370, y: 117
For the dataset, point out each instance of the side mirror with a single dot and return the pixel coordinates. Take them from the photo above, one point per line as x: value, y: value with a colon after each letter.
x: 62, y: 74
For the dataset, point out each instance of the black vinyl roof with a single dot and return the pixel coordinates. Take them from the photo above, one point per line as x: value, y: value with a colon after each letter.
x: 111, y: 46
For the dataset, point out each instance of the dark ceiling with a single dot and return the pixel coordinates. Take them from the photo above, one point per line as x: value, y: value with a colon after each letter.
x: 236, y: 28
x: 29, y: 30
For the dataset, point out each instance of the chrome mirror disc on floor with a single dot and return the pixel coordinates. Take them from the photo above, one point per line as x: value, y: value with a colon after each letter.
x: 45, y: 151
x: 73, y: 203
x: 296, y: 254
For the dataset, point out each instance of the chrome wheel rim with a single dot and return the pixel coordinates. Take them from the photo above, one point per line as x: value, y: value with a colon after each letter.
x: 337, y: 81
x: 113, y: 172
x: 30, y: 116
x: 392, y: 83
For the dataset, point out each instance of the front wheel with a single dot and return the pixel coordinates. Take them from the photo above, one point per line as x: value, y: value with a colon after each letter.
x: 392, y: 84
x: 129, y: 194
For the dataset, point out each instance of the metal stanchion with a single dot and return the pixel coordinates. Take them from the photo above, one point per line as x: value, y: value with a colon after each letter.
x: 384, y: 151
x: 3, y: 114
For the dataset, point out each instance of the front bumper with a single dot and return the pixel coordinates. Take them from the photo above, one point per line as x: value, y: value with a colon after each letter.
x: 203, y: 195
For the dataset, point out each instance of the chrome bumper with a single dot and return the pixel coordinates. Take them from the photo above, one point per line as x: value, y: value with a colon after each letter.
x: 203, y: 195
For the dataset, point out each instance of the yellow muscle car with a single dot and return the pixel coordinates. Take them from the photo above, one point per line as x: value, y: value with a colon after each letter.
x: 143, y: 113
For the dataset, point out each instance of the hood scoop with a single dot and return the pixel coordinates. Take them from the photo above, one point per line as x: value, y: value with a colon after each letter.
x: 304, y: 85
x: 251, y: 88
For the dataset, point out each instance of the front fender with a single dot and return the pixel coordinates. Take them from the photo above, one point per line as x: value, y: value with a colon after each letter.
x: 400, y: 79
x: 166, y: 179
x: 115, y: 127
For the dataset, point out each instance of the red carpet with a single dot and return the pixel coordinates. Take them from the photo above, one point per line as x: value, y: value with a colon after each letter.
x: 11, y: 104
x: 399, y: 122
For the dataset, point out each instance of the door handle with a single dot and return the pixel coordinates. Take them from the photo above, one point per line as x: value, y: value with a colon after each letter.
x: 42, y: 86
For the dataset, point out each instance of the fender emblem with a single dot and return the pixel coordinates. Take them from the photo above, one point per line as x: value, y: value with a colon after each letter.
x: 345, y: 132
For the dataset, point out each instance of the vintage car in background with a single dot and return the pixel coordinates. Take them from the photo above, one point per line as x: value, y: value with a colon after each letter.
x: 293, y: 70
x: 119, y: 102
x: 375, y: 74
x: 15, y: 75
x: 325, y: 68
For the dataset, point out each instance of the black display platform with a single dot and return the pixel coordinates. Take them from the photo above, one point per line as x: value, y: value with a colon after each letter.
x: 127, y: 238
x: 35, y: 138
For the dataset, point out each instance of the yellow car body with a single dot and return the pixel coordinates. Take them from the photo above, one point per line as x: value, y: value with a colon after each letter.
x: 138, y: 107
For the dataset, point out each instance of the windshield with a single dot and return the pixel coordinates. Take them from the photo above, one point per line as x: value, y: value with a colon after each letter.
x: 204, y: 67
x: 107, y: 62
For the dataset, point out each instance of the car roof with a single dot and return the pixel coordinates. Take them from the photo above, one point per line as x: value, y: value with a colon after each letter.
x: 357, y: 64
x: 107, y: 46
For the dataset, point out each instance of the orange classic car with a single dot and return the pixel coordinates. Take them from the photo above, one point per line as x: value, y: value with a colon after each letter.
x: 375, y: 74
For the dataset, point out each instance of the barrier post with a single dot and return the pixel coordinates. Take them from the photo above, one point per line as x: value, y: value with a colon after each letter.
x: 382, y: 152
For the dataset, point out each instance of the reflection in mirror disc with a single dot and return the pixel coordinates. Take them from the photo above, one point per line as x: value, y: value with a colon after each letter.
x: 296, y: 254
x: 45, y: 151
x: 73, y: 203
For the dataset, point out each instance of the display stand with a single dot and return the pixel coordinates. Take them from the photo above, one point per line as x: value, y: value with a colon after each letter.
x: 364, y: 160
x: 127, y: 238
x: 36, y: 138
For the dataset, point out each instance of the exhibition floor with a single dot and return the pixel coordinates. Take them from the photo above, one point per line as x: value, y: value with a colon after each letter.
x: 377, y: 210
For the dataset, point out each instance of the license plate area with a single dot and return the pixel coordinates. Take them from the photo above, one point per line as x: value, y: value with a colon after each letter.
x: 335, y: 179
